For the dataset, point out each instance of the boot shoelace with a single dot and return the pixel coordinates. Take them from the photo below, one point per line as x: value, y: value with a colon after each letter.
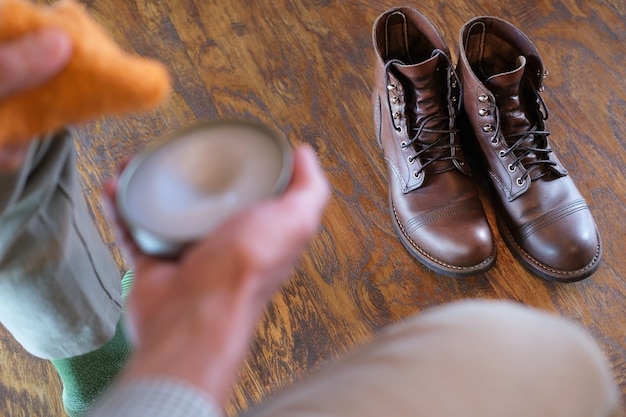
x: 439, y: 150
x: 442, y: 148
x: 539, y: 147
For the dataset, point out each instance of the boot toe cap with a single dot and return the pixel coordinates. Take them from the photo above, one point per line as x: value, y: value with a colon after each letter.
x: 566, y: 250
x: 453, y: 248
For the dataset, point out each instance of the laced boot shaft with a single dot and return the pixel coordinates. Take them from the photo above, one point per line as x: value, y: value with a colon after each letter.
x: 542, y: 216
x: 416, y: 100
x: 522, y: 123
x: 423, y: 94
x: 425, y: 100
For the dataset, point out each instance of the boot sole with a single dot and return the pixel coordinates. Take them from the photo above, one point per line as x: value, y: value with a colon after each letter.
x: 433, y: 263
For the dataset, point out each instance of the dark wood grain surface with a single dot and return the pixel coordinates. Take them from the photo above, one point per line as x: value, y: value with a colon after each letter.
x: 306, y: 68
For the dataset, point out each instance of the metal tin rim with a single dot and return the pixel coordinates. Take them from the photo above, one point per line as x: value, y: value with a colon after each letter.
x: 169, y: 244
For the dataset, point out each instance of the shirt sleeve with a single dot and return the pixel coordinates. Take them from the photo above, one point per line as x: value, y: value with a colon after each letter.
x: 155, y: 398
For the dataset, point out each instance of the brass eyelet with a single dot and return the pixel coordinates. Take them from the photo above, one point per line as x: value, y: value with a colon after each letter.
x: 483, y: 112
x: 483, y: 98
x: 488, y: 128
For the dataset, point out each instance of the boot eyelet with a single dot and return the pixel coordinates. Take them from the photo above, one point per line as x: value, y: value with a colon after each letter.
x: 488, y: 128
x: 417, y: 174
x: 392, y: 87
x: 512, y: 168
x: 483, y: 112
x: 502, y: 153
x: 395, y: 100
x: 520, y: 182
x: 403, y: 144
x: 411, y: 159
x: 483, y: 98
x: 495, y: 140
x: 397, y: 115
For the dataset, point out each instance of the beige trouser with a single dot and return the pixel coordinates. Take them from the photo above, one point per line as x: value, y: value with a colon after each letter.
x: 60, y: 289
x: 467, y: 359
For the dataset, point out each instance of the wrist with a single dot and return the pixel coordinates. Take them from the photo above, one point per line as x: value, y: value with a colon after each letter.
x: 204, y: 347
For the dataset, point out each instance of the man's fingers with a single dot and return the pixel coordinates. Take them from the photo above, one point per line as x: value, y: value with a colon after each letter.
x: 309, y: 185
x: 32, y: 59
x: 126, y: 242
x: 124, y: 238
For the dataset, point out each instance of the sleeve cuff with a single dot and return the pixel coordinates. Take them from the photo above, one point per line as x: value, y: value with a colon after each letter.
x: 155, y: 398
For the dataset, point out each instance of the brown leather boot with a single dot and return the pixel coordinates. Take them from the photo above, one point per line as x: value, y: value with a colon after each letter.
x: 433, y: 201
x: 542, y: 217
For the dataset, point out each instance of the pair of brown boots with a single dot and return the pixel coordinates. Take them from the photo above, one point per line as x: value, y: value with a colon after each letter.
x: 427, y: 113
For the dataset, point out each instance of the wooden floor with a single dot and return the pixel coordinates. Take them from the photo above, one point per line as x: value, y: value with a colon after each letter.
x: 306, y: 68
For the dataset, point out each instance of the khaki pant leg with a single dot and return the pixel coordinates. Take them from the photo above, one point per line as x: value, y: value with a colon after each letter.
x: 59, y: 286
x: 470, y: 359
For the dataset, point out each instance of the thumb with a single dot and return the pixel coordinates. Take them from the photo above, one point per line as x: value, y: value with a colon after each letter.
x: 32, y: 59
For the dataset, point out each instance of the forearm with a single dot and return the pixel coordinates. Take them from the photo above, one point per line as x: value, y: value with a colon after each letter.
x: 193, y: 317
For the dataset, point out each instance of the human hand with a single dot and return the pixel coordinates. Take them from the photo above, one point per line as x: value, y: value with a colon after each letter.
x: 25, y: 63
x: 193, y: 317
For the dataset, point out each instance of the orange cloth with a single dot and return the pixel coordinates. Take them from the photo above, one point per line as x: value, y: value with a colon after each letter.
x: 100, y: 79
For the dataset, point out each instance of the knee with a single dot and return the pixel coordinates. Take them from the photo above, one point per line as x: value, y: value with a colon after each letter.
x: 507, y: 347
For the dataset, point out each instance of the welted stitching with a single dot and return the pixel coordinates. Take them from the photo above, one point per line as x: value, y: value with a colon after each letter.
x: 479, y: 266
x: 543, y: 266
x: 509, y: 195
x: 396, y: 171
x: 551, y: 217
x: 438, y: 214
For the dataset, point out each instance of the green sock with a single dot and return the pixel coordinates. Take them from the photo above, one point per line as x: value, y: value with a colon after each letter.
x: 86, y: 376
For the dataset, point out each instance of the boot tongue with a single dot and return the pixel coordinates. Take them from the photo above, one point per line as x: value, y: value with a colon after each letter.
x: 506, y: 88
x: 513, y: 116
x: 427, y: 109
x: 425, y: 99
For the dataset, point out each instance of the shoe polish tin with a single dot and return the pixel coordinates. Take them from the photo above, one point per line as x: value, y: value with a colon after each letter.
x: 185, y: 185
